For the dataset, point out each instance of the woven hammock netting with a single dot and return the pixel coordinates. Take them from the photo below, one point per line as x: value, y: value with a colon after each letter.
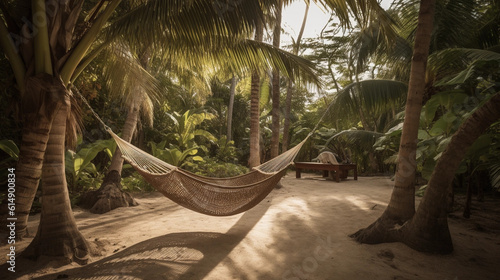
x: 211, y: 196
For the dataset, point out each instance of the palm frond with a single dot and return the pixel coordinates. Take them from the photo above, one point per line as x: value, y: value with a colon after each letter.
x: 494, y: 170
x: 361, y: 139
x: 195, y: 33
x: 126, y: 78
x: 371, y: 96
x: 449, y: 61
x: 198, y: 20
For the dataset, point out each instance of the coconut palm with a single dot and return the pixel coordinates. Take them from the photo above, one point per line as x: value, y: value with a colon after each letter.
x: 289, y: 90
x: 46, y: 61
x: 275, y: 126
x: 254, y: 159
x: 431, y: 219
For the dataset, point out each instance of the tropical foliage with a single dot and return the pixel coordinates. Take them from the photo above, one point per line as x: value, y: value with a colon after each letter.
x: 184, y: 64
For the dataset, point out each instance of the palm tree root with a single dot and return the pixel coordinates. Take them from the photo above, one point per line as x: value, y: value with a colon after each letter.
x: 433, y: 239
x: 383, y: 230
x: 109, y: 196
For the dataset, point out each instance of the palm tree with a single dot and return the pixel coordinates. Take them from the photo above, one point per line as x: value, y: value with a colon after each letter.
x: 402, y: 204
x: 428, y: 230
x: 289, y: 89
x: 442, y: 62
x: 47, y: 60
x: 128, y: 79
x: 230, y: 107
x: 254, y: 159
x: 275, y: 127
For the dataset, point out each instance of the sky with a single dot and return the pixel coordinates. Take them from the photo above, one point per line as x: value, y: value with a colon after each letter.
x: 316, y: 20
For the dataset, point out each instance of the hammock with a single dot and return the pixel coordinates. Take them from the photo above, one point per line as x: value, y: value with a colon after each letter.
x: 206, y: 195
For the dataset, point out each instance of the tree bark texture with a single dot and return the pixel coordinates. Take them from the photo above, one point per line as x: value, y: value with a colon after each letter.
x: 275, y: 127
x: 254, y: 159
x: 401, y: 206
x: 37, y: 125
x: 230, y: 107
x: 289, y: 89
x: 428, y: 230
x: 57, y: 235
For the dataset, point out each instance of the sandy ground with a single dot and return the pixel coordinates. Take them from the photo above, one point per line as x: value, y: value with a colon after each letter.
x: 298, y: 232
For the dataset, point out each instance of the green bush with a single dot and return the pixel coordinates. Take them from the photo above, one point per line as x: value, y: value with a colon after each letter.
x: 212, y: 168
x: 136, y: 183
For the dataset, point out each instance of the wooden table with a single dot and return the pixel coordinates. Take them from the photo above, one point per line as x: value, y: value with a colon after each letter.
x: 341, y: 170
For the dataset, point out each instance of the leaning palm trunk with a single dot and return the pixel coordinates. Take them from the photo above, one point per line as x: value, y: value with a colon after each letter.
x: 127, y: 132
x: 57, y: 234
x: 110, y: 195
x: 401, y: 207
x: 428, y: 230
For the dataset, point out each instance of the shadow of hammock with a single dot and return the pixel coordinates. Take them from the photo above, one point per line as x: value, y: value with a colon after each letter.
x: 173, y: 256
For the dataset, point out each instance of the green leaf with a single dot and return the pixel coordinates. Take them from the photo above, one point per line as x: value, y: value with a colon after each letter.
x: 439, y: 127
x: 460, y: 78
x: 480, y: 146
x: 77, y: 165
x: 428, y: 168
x: 423, y: 135
x: 197, y: 158
x: 10, y: 148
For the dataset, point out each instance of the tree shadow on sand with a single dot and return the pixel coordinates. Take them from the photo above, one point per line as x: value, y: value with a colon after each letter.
x: 181, y: 255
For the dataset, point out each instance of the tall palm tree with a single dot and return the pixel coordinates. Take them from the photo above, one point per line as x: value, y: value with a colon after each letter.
x: 402, y: 204
x: 127, y: 78
x: 254, y: 159
x: 275, y: 127
x: 47, y: 60
x: 441, y: 61
x: 230, y: 107
x: 289, y: 89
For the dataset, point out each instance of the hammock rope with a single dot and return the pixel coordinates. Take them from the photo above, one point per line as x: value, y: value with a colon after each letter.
x: 206, y: 195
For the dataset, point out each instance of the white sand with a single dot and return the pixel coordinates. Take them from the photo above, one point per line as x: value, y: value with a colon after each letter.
x: 298, y: 232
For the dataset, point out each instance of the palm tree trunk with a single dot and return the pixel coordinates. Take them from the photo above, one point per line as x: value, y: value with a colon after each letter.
x: 402, y: 204
x: 428, y: 230
x: 110, y: 194
x: 286, y: 122
x: 35, y: 136
x: 29, y: 170
x: 57, y: 235
x: 289, y: 90
x: 230, y: 107
x: 127, y: 132
x: 275, y: 127
x: 254, y: 159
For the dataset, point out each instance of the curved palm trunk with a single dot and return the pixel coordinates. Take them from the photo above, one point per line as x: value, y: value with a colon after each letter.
x: 428, y: 230
x: 402, y: 204
x: 275, y: 127
x: 110, y: 194
x: 254, y: 159
x: 289, y: 89
x: 127, y: 133
x: 57, y: 235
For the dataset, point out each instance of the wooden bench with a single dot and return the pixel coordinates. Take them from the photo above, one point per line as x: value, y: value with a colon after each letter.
x: 341, y: 170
